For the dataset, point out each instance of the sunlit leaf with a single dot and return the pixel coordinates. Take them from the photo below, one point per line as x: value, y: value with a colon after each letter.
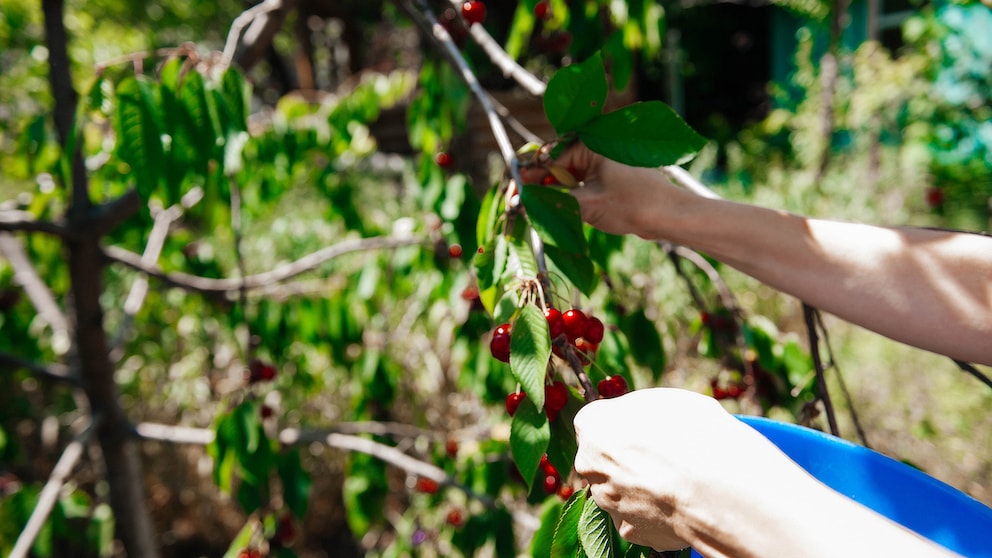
x: 529, y: 436
x: 645, y: 134
x: 575, y: 94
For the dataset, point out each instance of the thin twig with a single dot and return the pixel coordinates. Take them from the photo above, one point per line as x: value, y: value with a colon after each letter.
x: 50, y: 493
x: 38, y: 292
x: 15, y: 220
x: 970, y: 369
x: 238, y: 26
x: 809, y: 315
x: 843, y: 385
x: 348, y: 442
x: 260, y: 280
x: 50, y: 372
x: 502, y: 60
x: 153, y: 249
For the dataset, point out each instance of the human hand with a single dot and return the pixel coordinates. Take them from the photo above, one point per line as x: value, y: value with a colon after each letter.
x: 657, y: 482
x: 613, y: 197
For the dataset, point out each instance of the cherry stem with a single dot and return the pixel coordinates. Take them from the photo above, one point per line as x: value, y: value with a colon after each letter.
x: 589, y: 392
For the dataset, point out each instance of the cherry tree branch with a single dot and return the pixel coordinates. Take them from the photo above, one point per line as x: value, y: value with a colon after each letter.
x: 49, y: 494
x: 503, y: 60
x: 50, y: 372
x: 38, y: 292
x: 260, y: 280
x: 970, y: 369
x: 809, y: 315
x: 163, y: 221
x: 334, y: 438
x: 14, y: 220
x: 258, y: 13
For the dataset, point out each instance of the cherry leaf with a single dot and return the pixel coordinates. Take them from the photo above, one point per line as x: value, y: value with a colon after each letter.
x: 596, y: 531
x: 555, y: 215
x: 645, y: 134
x: 575, y: 94
x: 530, y: 349
x: 529, y: 437
x: 566, y: 540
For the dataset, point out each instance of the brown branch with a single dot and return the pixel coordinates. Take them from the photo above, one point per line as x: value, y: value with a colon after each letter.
x: 49, y: 494
x: 260, y: 280
x: 337, y: 440
x: 153, y: 249
x: 12, y: 220
x: 809, y: 315
x: 101, y: 219
x: 970, y: 369
x: 36, y: 289
x: 49, y: 372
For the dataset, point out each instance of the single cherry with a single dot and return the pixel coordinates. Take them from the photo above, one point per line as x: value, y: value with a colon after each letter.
x: 575, y: 323
x: 499, y: 346
x: 455, y: 250
x: 612, y: 386
x: 443, y: 159
x: 552, y: 483
x: 474, y: 11
x: 556, y: 324
x: 594, y: 330
x: 565, y: 492
x: 555, y: 398
x: 426, y: 485
x: 541, y: 9
x: 455, y: 518
x: 513, y: 401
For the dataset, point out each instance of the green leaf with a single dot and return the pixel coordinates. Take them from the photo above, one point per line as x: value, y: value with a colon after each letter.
x: 575, y: 94
x: 529, y: 437
x: 296, y: 482
x: 242, y: 540
x: 645, y: 134
x: 139, y: 141
x: 577, y: 267
x: 555, y: 215
x: 596, y: 531
x: 566, y: 539
x: 540, y: 544
x: 530, y: 349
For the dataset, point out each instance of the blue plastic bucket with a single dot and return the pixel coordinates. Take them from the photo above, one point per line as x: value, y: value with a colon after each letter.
x: 894, y: 489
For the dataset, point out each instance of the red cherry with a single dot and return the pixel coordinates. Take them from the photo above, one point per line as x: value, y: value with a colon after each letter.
x: 286, y: 532
x: 455, y: 250
x: 266, y: 411
x: 552, y: 483
x: 513, y: 401
x: 556, y: 324
x: 555, y: 397
x: 549, y: 180
x: 619, y: 384
x: 426, y: 485
x: 443, y: 159
x: 499, y: 346
x: 455, y: 518
x: 575, y: 323
x: 541, y: 9
x: 470, y: 293
x: 474, y: 11
x: 565, y: 492
x: 451, y: 447
x: 594, y: 330
x: 935, y: 197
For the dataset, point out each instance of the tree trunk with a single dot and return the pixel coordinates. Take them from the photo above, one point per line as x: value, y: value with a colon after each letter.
x: 91, y: 348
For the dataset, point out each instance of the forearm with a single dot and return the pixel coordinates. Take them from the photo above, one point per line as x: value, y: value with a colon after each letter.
x: 767, y: 505
x: 937, y: 295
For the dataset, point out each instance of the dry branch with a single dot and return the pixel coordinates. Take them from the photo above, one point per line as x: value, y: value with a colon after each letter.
x: 50, y: 493
x: 260, y: 280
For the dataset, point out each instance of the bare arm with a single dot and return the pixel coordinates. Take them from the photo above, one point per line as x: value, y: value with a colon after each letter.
x: 930, y: 289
